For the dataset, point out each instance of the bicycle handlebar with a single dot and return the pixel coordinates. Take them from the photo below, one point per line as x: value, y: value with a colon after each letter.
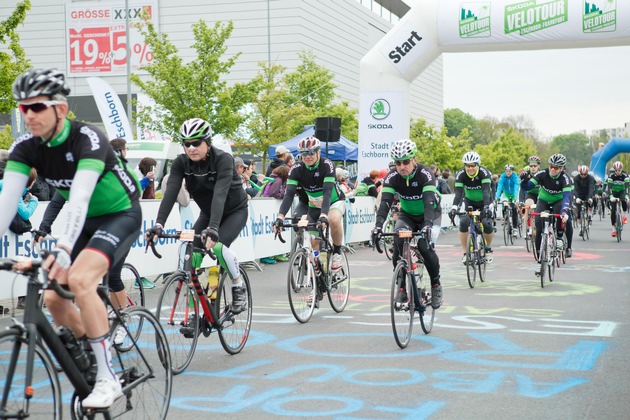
x: 301, y: 225
x: 401, y: 234
x: 183, y: 235
x: 23, y: 265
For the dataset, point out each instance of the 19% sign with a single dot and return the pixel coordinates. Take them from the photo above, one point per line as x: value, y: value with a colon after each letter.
x: 104, y: 50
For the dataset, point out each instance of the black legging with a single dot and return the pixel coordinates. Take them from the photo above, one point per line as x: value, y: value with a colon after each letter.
x: 229, y: 229
x: 555, y: 208
x: 431, y: 259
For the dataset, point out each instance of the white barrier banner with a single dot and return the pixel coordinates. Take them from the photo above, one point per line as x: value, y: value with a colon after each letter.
x: 111, y: 109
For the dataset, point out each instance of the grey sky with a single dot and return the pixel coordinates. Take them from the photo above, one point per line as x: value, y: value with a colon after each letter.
x: 561, y: 91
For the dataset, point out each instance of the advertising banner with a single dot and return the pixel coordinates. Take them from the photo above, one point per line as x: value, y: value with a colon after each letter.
x: 97, y: 36
x: 143, y: 133
x: 111, y: 109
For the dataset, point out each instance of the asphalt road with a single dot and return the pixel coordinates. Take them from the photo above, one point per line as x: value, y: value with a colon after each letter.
x: 506, y: 349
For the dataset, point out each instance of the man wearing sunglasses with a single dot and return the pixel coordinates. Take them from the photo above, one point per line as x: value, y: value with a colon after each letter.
x: 531, y: 195
x: 617, y: 186
x: 216, y: 186
x: 473, y: 189
x: 583, y: 191
x: 415, y: 187
x: 103, y: 217
x: 554, y: 196
x: 326, y: 201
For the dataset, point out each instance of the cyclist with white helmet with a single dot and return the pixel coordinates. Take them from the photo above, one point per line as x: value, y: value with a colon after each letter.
x: 414, y: 185
x: 617, y: 186
x: 509, y: 186
x: 473, y: 189
x: 554, y: 195
x: 583, y: 191
x: 326, y: 201
x: 531, y: 195
x: 103, y: 218
x: 214, y: 183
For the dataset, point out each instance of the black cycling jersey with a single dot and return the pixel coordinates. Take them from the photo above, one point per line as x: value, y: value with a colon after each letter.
x: 583, y: 187
x: 417, y: 194
x: 552, y: 189
x: 318, y: 182
x: 79, y: 145
x: 476, y: 189
x: 214, y: 184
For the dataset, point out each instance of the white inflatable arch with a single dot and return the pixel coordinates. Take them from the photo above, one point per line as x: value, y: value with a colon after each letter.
x: 432, y: 27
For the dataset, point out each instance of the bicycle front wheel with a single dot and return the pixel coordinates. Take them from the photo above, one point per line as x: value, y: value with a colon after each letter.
x: 427, y: 313
x: 387, y: 243
x: 144, y: 370
x: 507, y: 230
x: 339, y: 285
x: 481, y: 246
x: 46, y: 400
x: 544, y: 255
x: 301, y: 286
x: 178, y: 313
x: 402, y: 305
x: 234, y: 327
x: 133, y: 285
x: 471, y: 269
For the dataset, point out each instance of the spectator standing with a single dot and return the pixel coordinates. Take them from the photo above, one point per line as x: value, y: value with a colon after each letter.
x: 279, y: 160
x: 278, y: 186
x: 147, y: 183
x: 369, y: 185
x: 242, y: 170
x: 449, y: 188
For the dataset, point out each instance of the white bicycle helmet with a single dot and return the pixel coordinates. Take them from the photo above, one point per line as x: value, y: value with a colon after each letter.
x: 471, y: 158
x: 36, y: 82
x: 403, y: 149
x: 509, y: 167
x: 558, y: 160
x: 195, y: 128
x: 617, y: 166
x: 309, y: 144
x: 583, y: 169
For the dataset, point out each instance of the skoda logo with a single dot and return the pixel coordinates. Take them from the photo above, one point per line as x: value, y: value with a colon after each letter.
x: 380, y: 109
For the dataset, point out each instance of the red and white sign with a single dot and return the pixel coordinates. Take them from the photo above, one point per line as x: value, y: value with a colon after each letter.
x: 97, y: 36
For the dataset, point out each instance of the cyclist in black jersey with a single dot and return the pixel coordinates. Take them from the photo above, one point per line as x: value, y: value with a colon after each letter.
x: 531, y: 195
x: 213, y: 181
x: 584, y: 190
x: 554, y: 195
x: 103, y: 217
x: 326, y: 201
x: 472, y: 188
x: 415, y: 186
x: 617, y: 188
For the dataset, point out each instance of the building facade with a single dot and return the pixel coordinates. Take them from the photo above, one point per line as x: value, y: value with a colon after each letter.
x: 338, y: 32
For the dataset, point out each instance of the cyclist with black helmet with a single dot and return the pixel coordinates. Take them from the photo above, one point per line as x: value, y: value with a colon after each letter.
x: 531, y: 195
x: 214, y: 183
x: 103, y: 217
x: 617, y: 186
x: 326, y: 201
x: 414, y: 185
x: 583, y: 191
x: 554, y: 195
x: 509, y: 185
x: 473, y: 189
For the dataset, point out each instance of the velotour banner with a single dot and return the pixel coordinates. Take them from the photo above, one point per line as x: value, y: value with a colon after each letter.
x: 111, y: 109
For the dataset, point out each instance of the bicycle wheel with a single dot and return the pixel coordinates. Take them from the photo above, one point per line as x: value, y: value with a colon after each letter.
x: 481, y: 247
x: 543, y: 260
x: 301, y: 286
x: 145, y: 370
x: 533, y: 240
x: 235, y: 328
x: 178, y: 313
x: 619, y: 223
x: 507, y: 229
x: 387, y: 243
x: 528, y: 243
x: 133, y: 284
x: 554, y: 254
x: 402, y: 305
x: 339, y: 286
x: 471, y: 270
x: 46, y: 400
x: 427, y: 313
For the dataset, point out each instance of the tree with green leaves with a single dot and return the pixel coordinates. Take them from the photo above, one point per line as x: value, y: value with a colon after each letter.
x: 456, y: 120
x: 575, y: 147
x: 195, y: 89
x: 435, y: 146
x: 512, y: 147
x: 13, y: 61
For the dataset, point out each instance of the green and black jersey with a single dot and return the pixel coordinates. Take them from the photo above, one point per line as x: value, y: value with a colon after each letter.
x: 474, y: 190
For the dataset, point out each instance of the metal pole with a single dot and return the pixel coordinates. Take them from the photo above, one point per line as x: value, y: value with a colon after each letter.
x: 268, y: 33
x: 128, y: 52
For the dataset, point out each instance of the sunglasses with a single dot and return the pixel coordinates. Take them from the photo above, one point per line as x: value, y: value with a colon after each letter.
x: 403, y: 162
x: 471, y: 166
x: 554, y: 167
x: 534, y: 166
x: 308, y: 152
x: 37, y: 107
x: 194, y: 143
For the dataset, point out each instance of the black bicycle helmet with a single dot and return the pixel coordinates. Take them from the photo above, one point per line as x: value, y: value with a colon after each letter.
x: 36, y: 82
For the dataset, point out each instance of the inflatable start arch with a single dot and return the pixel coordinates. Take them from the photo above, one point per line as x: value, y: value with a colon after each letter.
x: 606, y: 153
x: 432, y: 27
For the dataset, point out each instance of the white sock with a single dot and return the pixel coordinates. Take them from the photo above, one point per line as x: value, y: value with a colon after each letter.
x: 101, y: 348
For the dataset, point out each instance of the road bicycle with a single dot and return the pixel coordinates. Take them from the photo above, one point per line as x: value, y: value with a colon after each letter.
x: 184, y: 309
x: 408, y: 281
x: 618, y: 217
x: 530, y: 238
x: 549, y: 253
x: 310, y: 275
x: 585, y: 220
x: 387, y: 242
x: 508, y: 229
x: 475, y: 248
x: 31, y: 386
x: 601, y: 206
